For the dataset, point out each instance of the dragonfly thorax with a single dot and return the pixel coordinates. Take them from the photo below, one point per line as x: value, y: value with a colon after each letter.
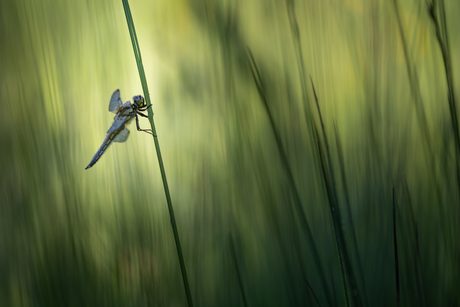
x: 125, y: 109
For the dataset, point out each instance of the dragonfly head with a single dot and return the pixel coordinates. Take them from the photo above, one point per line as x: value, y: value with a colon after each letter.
x: 139, y: 101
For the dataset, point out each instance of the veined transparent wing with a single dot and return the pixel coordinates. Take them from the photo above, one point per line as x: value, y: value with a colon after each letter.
x: 115, y: 101
x: 122, y: 136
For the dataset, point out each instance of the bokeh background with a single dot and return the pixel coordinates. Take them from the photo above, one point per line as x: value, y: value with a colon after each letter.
x: 245, y: 177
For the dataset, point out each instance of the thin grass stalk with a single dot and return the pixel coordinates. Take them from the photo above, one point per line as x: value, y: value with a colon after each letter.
x: 235, y: 261
x: 297, y: 246
x: 333, y: 214
x: 140, y: 67
x: 274, y: 218
x: 347, y: 204
x: 418, y: 269
x: 423, y: 124
x: 300, y: 62
x: 395, y: 244
x: 417, y: 96
x: 417, y: 258
x: 333, y: 285
x: 285, y: 251
x: 440, y: 23
x: 284, y: 160
x: 334, y: 209
x: 313, y: 292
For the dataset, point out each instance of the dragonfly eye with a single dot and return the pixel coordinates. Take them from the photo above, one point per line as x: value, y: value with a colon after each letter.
x: 139, y: 100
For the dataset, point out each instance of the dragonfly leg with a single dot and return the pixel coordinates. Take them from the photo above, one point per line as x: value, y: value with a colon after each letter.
x: 149, y: 131
x: 143, y: 115
x: 145, y: 108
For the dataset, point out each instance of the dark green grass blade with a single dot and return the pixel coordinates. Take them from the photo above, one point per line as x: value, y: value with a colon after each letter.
x: 137, y: 53
x: 297, y: 202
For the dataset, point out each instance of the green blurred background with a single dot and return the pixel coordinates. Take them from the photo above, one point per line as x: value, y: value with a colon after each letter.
x: 102, y: 237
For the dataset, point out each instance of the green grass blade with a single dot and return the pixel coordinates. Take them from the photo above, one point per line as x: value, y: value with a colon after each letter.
x: 140, y: 67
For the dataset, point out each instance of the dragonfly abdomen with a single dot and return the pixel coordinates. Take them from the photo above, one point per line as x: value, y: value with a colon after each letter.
x: 108, y: 140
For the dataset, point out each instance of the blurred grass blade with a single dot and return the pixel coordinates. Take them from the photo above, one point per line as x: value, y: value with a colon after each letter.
x: 333, y: 285
x: 313, y: 292
x: 417, y: 258
x: 300, y: 63
x: 419, y: 107
x: 443, y: 41
x: 350, y: 217
x: 235, y: 261
x: 423, y: 124
x: 285, y: 250
x: 332, y: 213
x: 334, y: 209
x: 140, y: 67
x: 297, y: 202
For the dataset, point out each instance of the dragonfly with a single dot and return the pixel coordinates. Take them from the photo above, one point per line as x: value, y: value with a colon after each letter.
x: 124, y: 114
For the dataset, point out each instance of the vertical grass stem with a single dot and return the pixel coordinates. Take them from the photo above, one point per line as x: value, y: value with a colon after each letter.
x: 137, y: 53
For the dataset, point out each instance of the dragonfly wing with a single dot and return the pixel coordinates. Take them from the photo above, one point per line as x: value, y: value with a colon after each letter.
x: 122, y: 136
x: 115, y: 101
